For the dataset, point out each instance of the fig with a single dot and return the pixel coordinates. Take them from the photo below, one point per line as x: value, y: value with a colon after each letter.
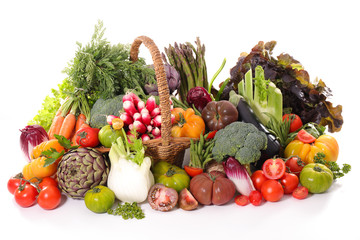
x: 187, y: 201
x: 162, y: 198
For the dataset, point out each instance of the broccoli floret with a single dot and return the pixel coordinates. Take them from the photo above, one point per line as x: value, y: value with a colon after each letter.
x: 102, y: 108
x: 240, y: 140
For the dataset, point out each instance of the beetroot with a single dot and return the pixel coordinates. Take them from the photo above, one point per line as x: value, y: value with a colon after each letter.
x: 198, y: 96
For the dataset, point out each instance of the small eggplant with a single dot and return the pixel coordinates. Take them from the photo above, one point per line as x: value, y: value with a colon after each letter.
x: 273, y: 146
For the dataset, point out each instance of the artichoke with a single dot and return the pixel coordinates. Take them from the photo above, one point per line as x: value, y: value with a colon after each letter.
x: 172, y: 77
x: 80, y: 170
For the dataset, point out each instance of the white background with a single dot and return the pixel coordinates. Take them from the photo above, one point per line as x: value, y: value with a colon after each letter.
x: 38, y: 40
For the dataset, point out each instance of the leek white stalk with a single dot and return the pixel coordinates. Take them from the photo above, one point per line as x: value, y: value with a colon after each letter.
x: 130, y: 177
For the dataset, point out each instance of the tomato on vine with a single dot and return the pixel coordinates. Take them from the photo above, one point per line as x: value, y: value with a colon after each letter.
x: 49, y: 197
x: 25, y: 195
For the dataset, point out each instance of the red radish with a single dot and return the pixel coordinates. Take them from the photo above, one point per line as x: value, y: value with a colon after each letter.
x: 157, y: 121
x: 137, y: 117
x: 139, y: 126
x: 144, y: 111
x: 151, y: 104
x: 127, y: 119
x: 172, y: 118
x: 129, y: 107
x: 145, y: 137
x: 127, y: 97
x: 157, y: 137
x: 155, y: 112
x: 156, y: 132
x: 146, y: 118
x: 149, y: 128
x: 140, y: 106
x: 109, y: 119
x: 134, y: 97
x: 131, y: 126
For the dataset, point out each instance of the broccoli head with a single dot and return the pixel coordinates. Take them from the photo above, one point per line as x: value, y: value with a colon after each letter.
x: 102, y: 108
x: 240, y: 140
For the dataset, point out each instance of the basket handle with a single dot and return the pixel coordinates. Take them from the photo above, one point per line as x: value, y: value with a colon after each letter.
x: 162, y: 84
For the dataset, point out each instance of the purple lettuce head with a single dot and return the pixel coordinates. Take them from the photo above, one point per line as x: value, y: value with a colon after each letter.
x: 198, y: 96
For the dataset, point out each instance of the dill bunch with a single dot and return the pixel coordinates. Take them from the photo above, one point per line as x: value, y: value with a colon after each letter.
x: 103, y: 70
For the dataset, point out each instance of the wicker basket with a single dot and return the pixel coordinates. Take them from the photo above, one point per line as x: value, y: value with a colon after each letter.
x: 166, y: 148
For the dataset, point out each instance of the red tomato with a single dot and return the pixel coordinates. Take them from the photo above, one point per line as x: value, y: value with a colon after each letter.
x: 242, y: 200
x: 25, y: 195
x: 289, y: 181
x: 305, y: 137
x: 272, y: 190
x: 255, y: 198
x: 47, y: 181
x: 258, y: 178
x: 193, y: 171
x: 87, y: 137
x: 49, y: 197
x: 295, y: 123
x: 14, y: 183
x: 300, y: 192
x: 274, y: 168
x: 294, y: 165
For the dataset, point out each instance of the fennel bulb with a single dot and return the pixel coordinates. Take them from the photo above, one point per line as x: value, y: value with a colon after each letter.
x: 130, y: 177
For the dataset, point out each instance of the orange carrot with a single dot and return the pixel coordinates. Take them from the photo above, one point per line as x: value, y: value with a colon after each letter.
x: 58, y: 121
x: 80, y: 120
x: 69, y: 122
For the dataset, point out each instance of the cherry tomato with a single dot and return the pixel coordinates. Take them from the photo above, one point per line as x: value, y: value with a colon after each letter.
x: 13, y: 183
x: 47, y: 181
x: 117, y: 123
x: 255, y: 198
x: 272, y: 190
x: 274, y: 168
x: 242, y: 200
x: 25, y: 195
x: 289, y: 182
x: 295, y: 123
x: 258, y: 178
x: 87, y: 137
x: 300, y: 192
x: 193, y: 171
x: 49, y: 197
x: 305, y: 137
x: 294, y: 165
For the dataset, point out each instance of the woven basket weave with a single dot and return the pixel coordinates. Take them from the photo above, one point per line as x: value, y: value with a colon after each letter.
x: 166, y: 148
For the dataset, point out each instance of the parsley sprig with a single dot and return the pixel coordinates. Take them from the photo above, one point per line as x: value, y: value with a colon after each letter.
x: 337, y: 171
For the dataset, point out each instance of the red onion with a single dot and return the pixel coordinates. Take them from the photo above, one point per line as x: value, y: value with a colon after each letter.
x: 31, y: 136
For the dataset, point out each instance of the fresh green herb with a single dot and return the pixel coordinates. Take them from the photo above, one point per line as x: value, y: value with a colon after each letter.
x: 333, y: 166
x: 105, y: 70
x: 128, y: 211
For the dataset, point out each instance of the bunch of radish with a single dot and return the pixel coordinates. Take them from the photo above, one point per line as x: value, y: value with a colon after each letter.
x: 142, y: 116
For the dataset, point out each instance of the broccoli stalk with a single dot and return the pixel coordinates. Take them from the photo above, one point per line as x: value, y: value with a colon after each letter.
x: 264, y: 98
